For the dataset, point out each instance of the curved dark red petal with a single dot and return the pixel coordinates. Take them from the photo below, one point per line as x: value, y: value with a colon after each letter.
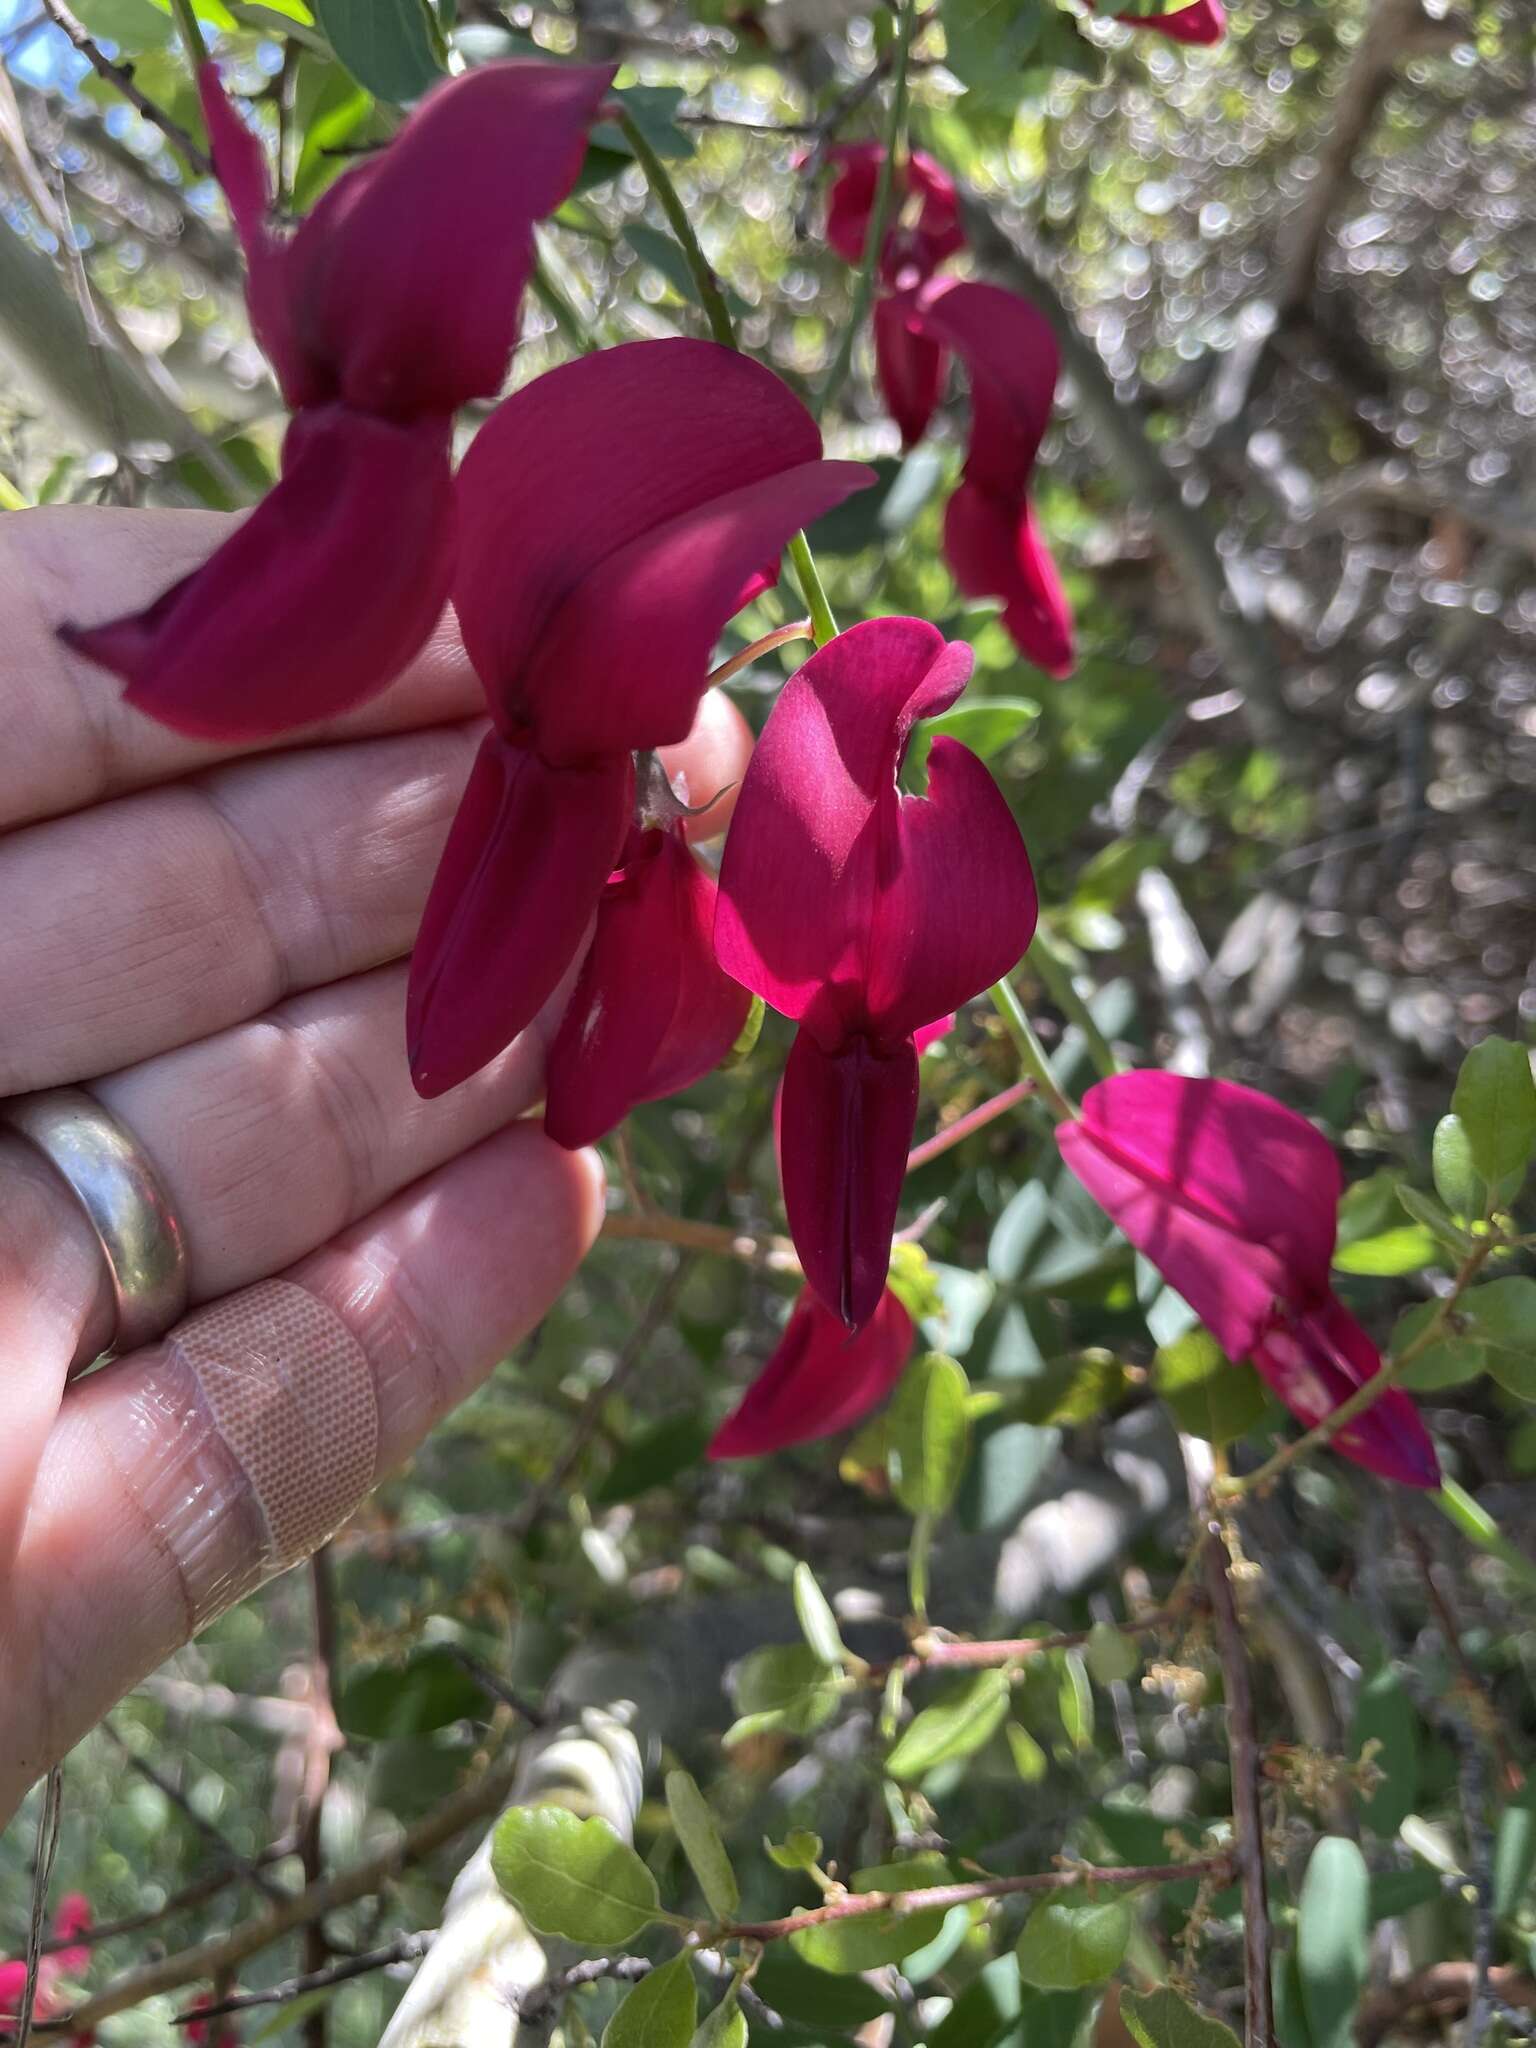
x: 1315, y: 1360
x: 520, y: 878
x: 956, y: 907
x: 807, y: 826
x: 1012, y: 361
x: 1204, y: 22
x: 407, y: 276
x: 852, y: 198
x: 930, y: 240
x: 994, y: 549
x: 938, y: 226
x: 317, y: 601
x: 572, y: 475
x: 820, y: 1379
x: 1237, y: 1159
x: 845, y: 1125
x: 909, y: 364
x: 623, y: 662
x: 651, y: 1011
x: 240, y: 165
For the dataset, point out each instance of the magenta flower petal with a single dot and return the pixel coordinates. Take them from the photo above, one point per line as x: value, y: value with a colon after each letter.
x: 1204, y: 22
x: 962, y: 913
x: 240, y: 165
x: 994, y: 549
x: 845, y: 1123
x: 909, y: 364
x: 517, y: 887
x: 917, y: 245
x: 406, y: 278
x: 1314, y: 1361
x: 640, y: 493
x: 1232, y: 1156
x: 314, y: 603
x: 804, y: 830
x: 933, y: 1034
x: 820, y: 1379
x: 990, y: 536
x: 651, y: 1012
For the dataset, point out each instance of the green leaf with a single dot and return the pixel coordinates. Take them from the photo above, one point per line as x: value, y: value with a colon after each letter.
x: 665, y: 255
x: 1407, y: 1249
x: 785, y: 1689
x: 1069, y: 1943
x: 1162, y: 2019
x: 799, y: 1850
x: 1395, y: 1892
x: 1426, y: 1210
x: 957, y: 1725
x: 724, y: 2026
x: 572, y: 1877
x: 653, y: 1457
x: 700, y: 1837
x: 930, y: 1434
x: 1211, y: 1398
x: 431, y: 1690
x: 1074, y: 1700
x: 652, y: 108
x: 1333, y: 1939
x: 818, y: 1624
x: 1495, y: 1099
x: 1450, y: 1360
x: 1072, y: 1389
x: 1111, y: 1655
x: 1501, y: 1317
x: 659, y: 2012
x: 1457, y: 1182
x: 1029, y: 1759
x: 812, y: 1997
x: 848, y: 1947
x: 985, y: 727
x: 134, y: 25
x: 392, y: 47
x: 1384, y: 1713
x: 1514, y: 1852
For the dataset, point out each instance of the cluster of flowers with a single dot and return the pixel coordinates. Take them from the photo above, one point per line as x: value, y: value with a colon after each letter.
x: 607, y: 522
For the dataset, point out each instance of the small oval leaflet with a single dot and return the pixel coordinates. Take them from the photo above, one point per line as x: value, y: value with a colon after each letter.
x: 572, y: 1877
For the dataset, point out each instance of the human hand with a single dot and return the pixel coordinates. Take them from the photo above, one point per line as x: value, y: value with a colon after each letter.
x: 215, y: 943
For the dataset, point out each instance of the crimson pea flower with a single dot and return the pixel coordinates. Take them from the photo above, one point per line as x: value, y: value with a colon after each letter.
x: 1202, y: 22
x: 1234, y: 1199
x: 614, y: 514
x: 864, y: 914
x: 651, y: 1011
x: 991, y: 538
x: 925, y: 228
x: 394, y: 302
x: 819, y: 1379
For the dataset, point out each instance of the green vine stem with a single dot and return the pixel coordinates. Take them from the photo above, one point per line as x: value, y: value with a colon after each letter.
x: 823, y: 624
x: 1055, y: 972
x: 1032, y: 1055
x: 190, y: 31
x: 1479, y: 1527
x: 879, y: 219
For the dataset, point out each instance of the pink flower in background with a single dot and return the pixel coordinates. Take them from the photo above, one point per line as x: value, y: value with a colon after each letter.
x: 57, y: 1966
x: 613, y: 516
x: 924, y: 221
x: 1234, y: 1199
x: 1203, y: 22
x: 393, y: 303
x: 864, y: 914
x: 652, y: 1011
x: 820, y: 1378
x: 991, y: 538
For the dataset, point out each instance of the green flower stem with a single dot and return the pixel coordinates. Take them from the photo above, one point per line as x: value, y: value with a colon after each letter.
x: 564, y: 314
x: 879, y: 219
x: 1054, y: 970
x: 711, y: 298
x: 1363, y: 1397
x: 1479, y: 1527
x: 1032, y: 1056
x: 721, y: 326
x: 823, y: 624
x: 191, y: 32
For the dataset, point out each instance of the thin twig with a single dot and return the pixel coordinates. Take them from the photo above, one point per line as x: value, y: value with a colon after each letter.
x: 320, y: 1745
x: 974, y: 1120
x: 120, y: 77
x: 929, y: 1654
x: 940, y: 1897
x: 42, y: 1877
x: 1247, y: 1814
x: 407, y: 1948
x: 169, y: 1790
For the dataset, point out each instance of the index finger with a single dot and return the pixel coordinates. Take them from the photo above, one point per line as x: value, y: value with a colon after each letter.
x: 70, y: 739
